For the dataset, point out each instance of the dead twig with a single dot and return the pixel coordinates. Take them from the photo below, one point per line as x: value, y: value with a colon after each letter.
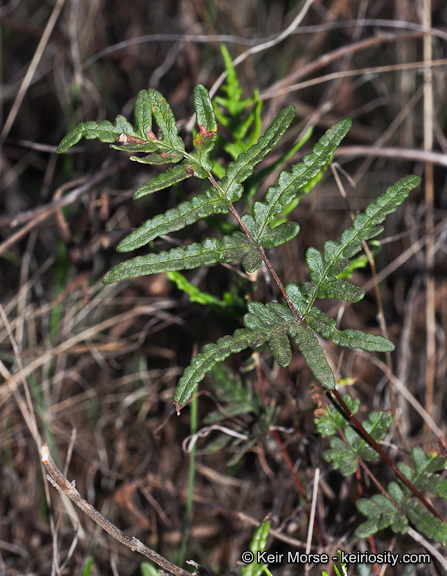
x: 59, y: 481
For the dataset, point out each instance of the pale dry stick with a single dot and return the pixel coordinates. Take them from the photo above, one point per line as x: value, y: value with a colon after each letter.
x: 397, y: 153
x: 430, y: 318
x: 312, y: 515
x: 255, y: 49
x: 31, y: 69
x: 231, y: 39
x: 60, y: 482
x: 339, y: 53
x: 375, y: 70
x: 428, y: 546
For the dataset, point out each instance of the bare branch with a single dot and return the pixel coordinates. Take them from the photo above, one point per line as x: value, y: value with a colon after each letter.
x: 59, y: 481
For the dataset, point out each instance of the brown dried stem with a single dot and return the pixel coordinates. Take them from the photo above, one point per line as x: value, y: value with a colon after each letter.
x: 59, y: 481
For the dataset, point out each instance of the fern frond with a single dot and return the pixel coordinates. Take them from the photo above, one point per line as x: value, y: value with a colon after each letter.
x: 210, y: 355
x: 290, y: 183
x: 324, y: 269
x: 334, y: 419
x: 426, y: 522
x: 313, y: 354
x: 165, y: 120
x: 344, y: 457
x: 162, y: 181
x: 143, y: 114
x: 238, y: 171
x: 273, y: 319
x: 186, y: 213
x: 279, y: 235
x: 423, y: 476
x: 321, y: 323
x: 152, y: 158
x: 381, y: 513
x: 104, y: 131
x: 210, y: 251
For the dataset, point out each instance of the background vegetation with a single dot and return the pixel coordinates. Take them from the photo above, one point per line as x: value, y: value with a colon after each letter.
x: 92, y: 369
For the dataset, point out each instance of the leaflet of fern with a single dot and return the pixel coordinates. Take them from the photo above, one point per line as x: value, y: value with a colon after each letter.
x: 210, y: 355
x: 238, y: 171
x: 188, y: 212
x: 143, y: 114
x: 208, y: 252
x: 382, y: 514
x: 326, y: 326
x: 290, y: 183
x: 324, y: 269
x: 166, y: 122
x: 274, y: 319
x: 423, y: 476
x: 163, y: 180
x: 426, y: 522
x: 152, y: 159
x: 313, y: 354
x: 104, y: 131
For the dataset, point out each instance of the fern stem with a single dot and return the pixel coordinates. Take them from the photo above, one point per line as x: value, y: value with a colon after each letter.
x: 384, y: 456
x: 270, y: 268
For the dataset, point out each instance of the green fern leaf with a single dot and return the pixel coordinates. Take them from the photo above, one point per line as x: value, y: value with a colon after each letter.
x: 208, y: 252
x: 321, y: 323
x: 341, y: 457
x: 334, y: 419
x: 238, y: 171
x: 204, y: 109
x: 210, y: 355
x: 423, y: 476
x: 233, y: 103
x: 382, y: 514
x: 313, y: 354
x: 273, y: 319
x: 166, y: 122
x: 152, y: 159
x: 345, y: 457
x: 290, y: 183
x: 163, y: 180
x: 186, y: 213
x: 104, y: 131
x: 324, y: 269
x: 426, y: 522
x: 206, y: 137
x: 143, y: 114
x: 279, y: 235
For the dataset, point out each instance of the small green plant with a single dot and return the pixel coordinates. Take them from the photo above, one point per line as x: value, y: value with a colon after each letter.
x: 257, y: 544
x: 398, y: 507
x: 258, y: 226
x: 272, y: 323
x: 342, y: 572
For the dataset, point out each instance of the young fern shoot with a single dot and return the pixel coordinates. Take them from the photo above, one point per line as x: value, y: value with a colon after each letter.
x: 263, y: 226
